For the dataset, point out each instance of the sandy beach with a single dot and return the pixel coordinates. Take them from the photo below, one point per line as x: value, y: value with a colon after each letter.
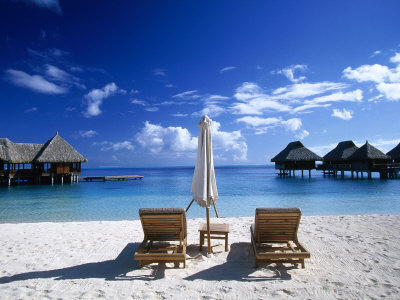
x: 352, y: 257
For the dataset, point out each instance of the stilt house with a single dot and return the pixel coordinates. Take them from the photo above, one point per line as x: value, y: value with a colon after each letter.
x: 395, y: 154
x: 369, y: 159
x: 295, y: 157
x: 54, y: 161
x: 338, y: 158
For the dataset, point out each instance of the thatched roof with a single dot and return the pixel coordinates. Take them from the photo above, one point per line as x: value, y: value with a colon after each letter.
x: 18, y: 153
x: 395, y: 152
x: 366, y: 152
x: 295, y: 151
x: 342, y: 151
x: 58, y: 150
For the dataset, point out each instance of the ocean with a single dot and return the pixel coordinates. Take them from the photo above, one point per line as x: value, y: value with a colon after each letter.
x: 241, y: 190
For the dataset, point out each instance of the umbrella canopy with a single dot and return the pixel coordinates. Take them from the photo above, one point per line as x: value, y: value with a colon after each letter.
x: 204, y: 187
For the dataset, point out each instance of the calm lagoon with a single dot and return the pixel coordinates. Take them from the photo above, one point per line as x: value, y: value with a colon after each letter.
x: 241, y: 190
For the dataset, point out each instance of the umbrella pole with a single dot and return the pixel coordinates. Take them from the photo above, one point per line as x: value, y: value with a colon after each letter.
x: 208, y: 230
x: 215, y: 208
x: 189, y: 205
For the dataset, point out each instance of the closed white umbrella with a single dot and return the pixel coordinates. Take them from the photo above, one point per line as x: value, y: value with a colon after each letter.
x: 204, y: 187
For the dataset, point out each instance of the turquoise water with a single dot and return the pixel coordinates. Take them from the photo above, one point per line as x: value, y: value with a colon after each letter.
x: 241, y: 190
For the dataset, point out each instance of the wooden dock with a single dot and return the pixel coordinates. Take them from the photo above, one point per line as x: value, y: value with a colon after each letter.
x: 110, y: 178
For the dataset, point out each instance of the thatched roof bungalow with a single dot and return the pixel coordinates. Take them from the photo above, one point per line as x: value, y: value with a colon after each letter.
x: 395, y: 154
x: 368, y: 158
x: 54, y: 158
x: 295, y: 157
x: 338, y: 158
x: 341, y: 152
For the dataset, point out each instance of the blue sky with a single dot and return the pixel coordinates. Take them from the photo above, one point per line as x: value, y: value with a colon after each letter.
x: 126, y: 82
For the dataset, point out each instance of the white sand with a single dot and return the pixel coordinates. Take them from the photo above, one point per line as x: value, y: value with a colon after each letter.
x: 352, y: 257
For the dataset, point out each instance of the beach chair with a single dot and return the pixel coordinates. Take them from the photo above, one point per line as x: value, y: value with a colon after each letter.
x: 161, y: 226
x: 274, y: 236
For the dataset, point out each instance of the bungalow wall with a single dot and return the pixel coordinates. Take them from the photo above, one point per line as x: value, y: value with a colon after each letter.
x: 370, y: 165
x: 297, y: 165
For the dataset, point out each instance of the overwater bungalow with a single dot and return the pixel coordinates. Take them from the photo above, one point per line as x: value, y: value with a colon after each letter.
x: 56, y: 161
x: 370, y: 159
x: 395, y: 154
x: 295, y: 157
x: 338, y: 158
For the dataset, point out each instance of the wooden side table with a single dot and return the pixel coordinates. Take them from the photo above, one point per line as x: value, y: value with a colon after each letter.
x: 217, y: 232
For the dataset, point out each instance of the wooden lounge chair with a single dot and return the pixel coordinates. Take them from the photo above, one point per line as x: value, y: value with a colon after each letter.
x: 274, y: 236
x: 161, y: 226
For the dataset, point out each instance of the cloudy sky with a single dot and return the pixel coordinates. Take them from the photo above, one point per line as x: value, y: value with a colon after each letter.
x: 126, y: 82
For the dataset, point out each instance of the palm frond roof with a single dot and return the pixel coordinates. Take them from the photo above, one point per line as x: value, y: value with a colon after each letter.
x: 295, y: 151
x: 342, y: 151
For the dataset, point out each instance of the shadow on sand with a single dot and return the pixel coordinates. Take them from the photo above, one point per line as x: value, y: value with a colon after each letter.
x: 110, y: 269
x: 239, y: 266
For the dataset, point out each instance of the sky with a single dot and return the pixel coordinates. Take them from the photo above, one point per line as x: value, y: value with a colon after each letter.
x: 126, y: 82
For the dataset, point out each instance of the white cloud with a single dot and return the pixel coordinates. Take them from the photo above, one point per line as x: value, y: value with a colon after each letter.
x: 56, y: 74
x: 34, y: 82
x: 212, y: 110
x: 289, y: 72
x: 304, y: 90
x: 187, y: 95
x: 179, y: 115
x: 228, y: 142
x: 110, y: 146
x: 223, y: 70
x: 376, y: 73
x: 293, y: 124
x: 96, y: 96
x: 138, y: 102
x: 352, y: 96
x: 385, y: 145
x: 377, y: 52
x: 396, y: 58
x: 178, y: 141
x: 215, y: 98
x: 306, y: 107
x: 257, y: 121
x: 342, y: 114
x: 151, y: 109
x: 302, y: 134
x: 387, y: 79
x: 53, y: 5
x: 169, y: 85
x: 262, y: 125
x: 156, y: 139
x: 254, y: 101
x: 87, y: 134
x: 390, y: 90
x: 160, y: 72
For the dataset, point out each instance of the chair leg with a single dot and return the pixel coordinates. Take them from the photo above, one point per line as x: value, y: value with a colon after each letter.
x: 140, y: 263
x: 303, y: 264
x: 201, y: 241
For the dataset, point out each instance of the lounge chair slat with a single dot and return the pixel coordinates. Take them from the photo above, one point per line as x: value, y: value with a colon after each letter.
x: 162, y: 225
x: 274, y: 227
